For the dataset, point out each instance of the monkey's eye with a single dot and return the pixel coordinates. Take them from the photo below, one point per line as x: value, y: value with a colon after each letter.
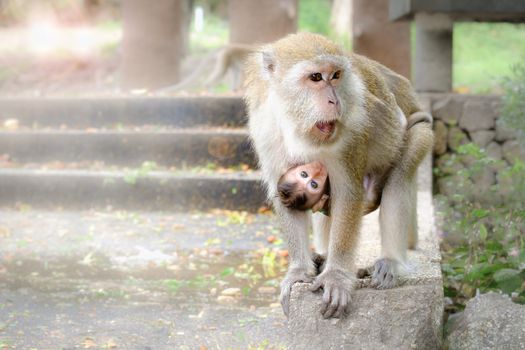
x: 304, y: 174
x: 314, y: 184
x: 337, y: 75
x: 316, y: 77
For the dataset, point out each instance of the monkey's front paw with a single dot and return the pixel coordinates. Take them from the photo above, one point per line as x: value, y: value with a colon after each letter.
x: 337, y: 285
x: 292, y: 276
x: 385, y: 274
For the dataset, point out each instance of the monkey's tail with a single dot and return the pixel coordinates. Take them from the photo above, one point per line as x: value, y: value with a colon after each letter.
x: 193, y: 79
x: 419, y: 142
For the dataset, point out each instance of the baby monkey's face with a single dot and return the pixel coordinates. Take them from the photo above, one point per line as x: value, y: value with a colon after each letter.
x: 309, y: 179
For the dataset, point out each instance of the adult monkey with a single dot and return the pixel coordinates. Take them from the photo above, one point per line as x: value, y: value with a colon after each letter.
x: 309, y: 100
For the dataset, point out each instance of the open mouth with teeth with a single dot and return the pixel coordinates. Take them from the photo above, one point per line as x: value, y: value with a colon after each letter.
x: 326, y: 128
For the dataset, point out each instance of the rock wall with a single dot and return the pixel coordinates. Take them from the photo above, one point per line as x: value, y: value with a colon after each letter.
x: 460, y: 119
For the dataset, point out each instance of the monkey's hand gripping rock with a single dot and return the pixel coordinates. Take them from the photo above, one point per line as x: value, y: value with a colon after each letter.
x: 337, y: 286
x: 292, y: 276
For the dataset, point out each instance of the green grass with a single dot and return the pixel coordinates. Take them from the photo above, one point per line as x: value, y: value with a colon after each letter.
x: 484, y: 52
x: 314, y: 16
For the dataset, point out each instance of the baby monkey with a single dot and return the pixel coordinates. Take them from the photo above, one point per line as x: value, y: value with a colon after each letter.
x: 307, y: 186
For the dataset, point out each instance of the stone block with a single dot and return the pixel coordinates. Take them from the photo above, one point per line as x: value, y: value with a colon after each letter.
x: 456, y: 138
x: 440, y: 137
x: 484, y: 179
x: 512, y: 150
x: 448, y: 109
x: 503, y: 133
x: 406, y: 317
x: 482, y: 137
x: 451, y: 185
x: 478, y: 114
x: 490, y: 321
x: 494, y: 150
x: 446, y: 166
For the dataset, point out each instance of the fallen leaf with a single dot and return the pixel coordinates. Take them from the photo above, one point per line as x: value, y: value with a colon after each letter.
x: 283, y: 253
x: 271, y: 238
x: 267, y: 290
x: 89, y: 343
x: 264, y: 210
x: 177, y: 227
x: 5, y: 232
x: 225, y: 299
x: 231, y: 292
x: 111, y: 344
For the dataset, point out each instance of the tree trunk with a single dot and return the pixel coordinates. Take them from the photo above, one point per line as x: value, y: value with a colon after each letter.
x: 375, y: 37
x: 261, y: 21
x: 153, y: 43
x: 341, y: 16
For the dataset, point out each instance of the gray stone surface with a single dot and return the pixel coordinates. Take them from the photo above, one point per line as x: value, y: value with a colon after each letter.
x: 465, y: 10
x: 456, y: 138
x: 433, y: 57
x: 130, y: 190
x: 490, y: 321
x: 478, y: 114
x: 445, y: 165
x: 107, y: 112
x: 512, y: 150
x: 503, y: 133
x: 138, y: 280
x: 406, y: 317
x: 494, y: 150
x: 448, y: 108
x: 484, y: 180
x: 482, y: 137
x: 166, y: 147
x: 440, y: 137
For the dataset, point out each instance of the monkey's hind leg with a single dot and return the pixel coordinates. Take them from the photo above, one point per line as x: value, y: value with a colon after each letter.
x: 397, y: 222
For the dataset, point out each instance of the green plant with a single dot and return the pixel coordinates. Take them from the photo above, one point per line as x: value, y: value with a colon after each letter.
x: 146, y: 168
x: 483, y: 244
x: 513, y: 113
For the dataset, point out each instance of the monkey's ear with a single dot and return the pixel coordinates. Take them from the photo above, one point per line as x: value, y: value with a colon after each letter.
x: 268, y: 65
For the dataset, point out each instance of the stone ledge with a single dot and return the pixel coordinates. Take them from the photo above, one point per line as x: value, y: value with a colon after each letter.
x: 406, y: 317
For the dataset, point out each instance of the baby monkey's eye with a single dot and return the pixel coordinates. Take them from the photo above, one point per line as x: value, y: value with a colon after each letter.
x: 314, y: 184
x: 304, y: 174
x: 337, y: 75
x: 316, y: 77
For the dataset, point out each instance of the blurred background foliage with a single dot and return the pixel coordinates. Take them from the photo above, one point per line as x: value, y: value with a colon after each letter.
x: 483, y: 52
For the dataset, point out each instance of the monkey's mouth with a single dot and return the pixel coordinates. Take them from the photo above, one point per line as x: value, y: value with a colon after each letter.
x: 327, y: 128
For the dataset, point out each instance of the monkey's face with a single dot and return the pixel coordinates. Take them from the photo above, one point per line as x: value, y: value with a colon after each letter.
x: 316, y: 88
x: 303, y: 186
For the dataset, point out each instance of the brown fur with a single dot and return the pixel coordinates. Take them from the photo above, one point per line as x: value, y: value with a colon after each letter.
x: 370, y: 140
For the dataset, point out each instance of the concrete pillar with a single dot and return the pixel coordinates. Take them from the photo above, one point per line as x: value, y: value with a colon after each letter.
x: 376, y: 37
x: 433, y: 62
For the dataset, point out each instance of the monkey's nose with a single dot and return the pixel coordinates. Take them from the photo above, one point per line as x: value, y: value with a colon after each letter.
x: 336, y: 104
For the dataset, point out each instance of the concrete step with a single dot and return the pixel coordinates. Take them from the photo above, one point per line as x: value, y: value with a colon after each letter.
x: 133, y: 189
x: 190, y: 147
x: 110, y: 112
x: 137, y: 280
